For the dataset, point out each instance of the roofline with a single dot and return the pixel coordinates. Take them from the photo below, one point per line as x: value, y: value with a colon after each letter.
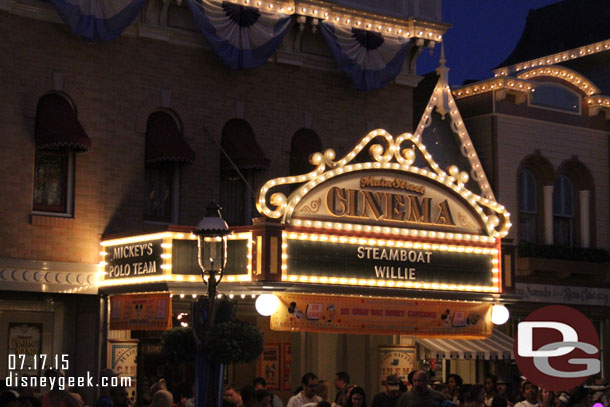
x: 556, y: 58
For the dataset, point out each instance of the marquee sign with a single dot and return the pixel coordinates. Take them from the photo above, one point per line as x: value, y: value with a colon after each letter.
x: 168, y: 256
x: 388, y: 222
x: 343, y: 260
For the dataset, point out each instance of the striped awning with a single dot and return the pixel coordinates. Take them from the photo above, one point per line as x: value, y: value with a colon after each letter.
x: 497, y: 346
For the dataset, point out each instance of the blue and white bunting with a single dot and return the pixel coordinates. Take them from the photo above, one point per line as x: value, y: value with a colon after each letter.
x: 243, y: 37
x: 98, y: 19
x: 370, y: 59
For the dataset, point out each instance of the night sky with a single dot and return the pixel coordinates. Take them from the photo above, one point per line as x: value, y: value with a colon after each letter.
x: 483, y: 34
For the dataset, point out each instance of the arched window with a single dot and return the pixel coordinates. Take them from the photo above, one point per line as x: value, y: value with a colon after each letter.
x: 528, y: 207
x: 166, y: 151
x: 563, y: 211
x: 58, y: 135
x: 241, y: 157
x: 535, y: 186
x: 574, y: 204
x: 554, y: 96
x: 304, y: 143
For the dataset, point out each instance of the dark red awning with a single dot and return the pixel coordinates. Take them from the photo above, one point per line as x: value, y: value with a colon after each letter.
x: 164, y: 141
x: 57, y: 126
x: 239, y: 143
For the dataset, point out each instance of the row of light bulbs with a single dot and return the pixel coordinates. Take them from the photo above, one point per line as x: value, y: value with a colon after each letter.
x: 317, y: 176
x: 493, y: 84
x: 556, y: 58
x: 368, y: 23
x: 576, y: 79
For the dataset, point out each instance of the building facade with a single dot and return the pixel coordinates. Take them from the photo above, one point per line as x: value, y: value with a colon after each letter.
x: 541, y: 128
x: 136, y: 133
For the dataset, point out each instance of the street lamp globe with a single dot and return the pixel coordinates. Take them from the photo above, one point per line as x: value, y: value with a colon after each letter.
x: 212, y: 232
x: 499, y: 314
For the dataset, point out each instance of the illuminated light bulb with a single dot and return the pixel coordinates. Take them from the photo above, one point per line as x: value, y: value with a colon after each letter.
x: 499, y: 313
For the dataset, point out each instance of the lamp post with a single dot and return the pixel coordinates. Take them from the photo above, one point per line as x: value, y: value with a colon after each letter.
x: 211, y: 234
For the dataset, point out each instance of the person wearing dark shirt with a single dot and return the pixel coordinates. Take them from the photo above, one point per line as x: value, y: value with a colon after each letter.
x: 420, y: 395
x: 389, y: 397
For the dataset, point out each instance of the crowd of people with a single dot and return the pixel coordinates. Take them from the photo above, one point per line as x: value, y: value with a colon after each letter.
x: 418, y: 391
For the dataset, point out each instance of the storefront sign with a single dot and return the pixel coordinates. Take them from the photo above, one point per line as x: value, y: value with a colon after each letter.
x: 563, y: 294
x: 141, y: 311
x: 137, y: 259
x: 25, y: 339
x: 396, y: 360
x: 123, y: 359
x: 373, y: 262
x: 387, y: 199
x: 335, y: 314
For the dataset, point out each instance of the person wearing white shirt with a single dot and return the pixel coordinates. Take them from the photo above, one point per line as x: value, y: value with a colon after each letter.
x: 530, y: 390
x: 308, y: 394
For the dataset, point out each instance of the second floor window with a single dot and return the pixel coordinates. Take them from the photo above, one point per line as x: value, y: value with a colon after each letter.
x: 527, y: 206
x: 563, y: 211
x: 59, y: 136
x: 166, y: 152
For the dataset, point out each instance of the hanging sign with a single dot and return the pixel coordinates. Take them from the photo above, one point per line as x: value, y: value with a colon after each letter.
x: 138, y: 259
x: 151, y: 312
x: 373, y: 262
x: 424, y: 318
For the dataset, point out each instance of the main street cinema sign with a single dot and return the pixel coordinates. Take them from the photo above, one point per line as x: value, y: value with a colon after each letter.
x: 387, y: 222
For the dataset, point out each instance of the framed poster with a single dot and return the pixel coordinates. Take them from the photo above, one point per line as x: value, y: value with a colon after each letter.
x: 396, y: 360
x: 269, y: 365
x: 123, y: 359
x: 286, y: 361
x: 25, y: 339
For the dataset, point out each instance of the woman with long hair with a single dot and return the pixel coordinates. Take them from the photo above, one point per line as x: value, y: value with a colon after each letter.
x: 357, y: 397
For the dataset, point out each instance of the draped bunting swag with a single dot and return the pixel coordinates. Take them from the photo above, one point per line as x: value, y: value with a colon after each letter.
x: 98, y: 19
x: 243, y: 37
x: 370, y: 59
x: 246, y: 37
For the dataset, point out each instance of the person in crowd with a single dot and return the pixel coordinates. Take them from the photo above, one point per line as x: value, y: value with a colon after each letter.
x: 263, y: 398
x: 309, y: 381
x: 504, y: 390
x: 443, y: 388
x: 475, y: 396
x: 248, y: 395
x: 454, y: 382
x: 162, y: 398
x: 420, y: 395
x: 160, y: 384
x: 323, y: 389
x: 410, y: 380
x: 28, y: 401
x: 530, y: 392
x: 546, y: 398
x: 357, y: 397
x: 56, y: 397
x: 341, y: 383
x: 261, y: 384
x: 391, y: 393
x: 499, y: 401
x: 490, y: 388
x: 9, y: 398
x: 233, y: 395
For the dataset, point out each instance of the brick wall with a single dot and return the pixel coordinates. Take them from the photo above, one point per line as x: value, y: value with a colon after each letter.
x: 115, y: 86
